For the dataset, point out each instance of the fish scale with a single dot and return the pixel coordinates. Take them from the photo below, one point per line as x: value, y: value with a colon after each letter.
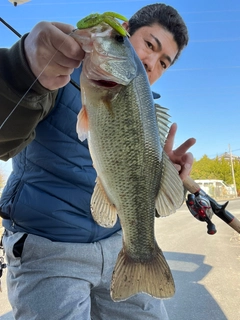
x: 134, y: 175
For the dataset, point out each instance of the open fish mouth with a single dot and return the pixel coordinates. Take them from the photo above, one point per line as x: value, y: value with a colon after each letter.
x: 105, y: 83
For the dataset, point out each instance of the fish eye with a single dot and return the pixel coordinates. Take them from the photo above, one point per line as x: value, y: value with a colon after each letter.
x: 119, y: 38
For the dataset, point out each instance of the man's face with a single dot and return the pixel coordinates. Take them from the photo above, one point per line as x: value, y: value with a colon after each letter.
x: 156, y: 49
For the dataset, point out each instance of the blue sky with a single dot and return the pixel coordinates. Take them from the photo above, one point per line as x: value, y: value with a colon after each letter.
x: 201, y: 91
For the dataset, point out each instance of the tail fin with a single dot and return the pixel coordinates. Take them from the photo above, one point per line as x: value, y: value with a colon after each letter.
x: 153, y: 277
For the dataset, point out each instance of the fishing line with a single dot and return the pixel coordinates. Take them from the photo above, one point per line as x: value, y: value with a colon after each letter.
x: 57, y: 50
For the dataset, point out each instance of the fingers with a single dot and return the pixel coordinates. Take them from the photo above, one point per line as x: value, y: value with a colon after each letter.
x: 65, y: 28
x: 181, y: 159
x: 186, y: 166
x: 52, y: 54
x: 170, y: 138
x: 184, y: 158
x: 64, y: 43
x: 184, y: 147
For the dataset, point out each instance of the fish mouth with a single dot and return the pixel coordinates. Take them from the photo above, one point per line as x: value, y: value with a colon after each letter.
x: 105, y: 83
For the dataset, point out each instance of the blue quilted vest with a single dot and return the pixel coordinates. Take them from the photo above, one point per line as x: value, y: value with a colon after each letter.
x: 49, y: 191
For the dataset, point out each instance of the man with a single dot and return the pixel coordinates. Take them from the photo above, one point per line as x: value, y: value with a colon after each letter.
x: 60, y: 261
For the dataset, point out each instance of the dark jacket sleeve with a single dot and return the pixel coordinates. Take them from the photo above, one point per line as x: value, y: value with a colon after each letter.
x: 23, y: 101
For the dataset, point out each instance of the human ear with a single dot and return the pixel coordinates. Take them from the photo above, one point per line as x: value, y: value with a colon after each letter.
x: 125, y: 25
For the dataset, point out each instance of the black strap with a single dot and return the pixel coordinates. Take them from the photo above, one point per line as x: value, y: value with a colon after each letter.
x: 4, y: 215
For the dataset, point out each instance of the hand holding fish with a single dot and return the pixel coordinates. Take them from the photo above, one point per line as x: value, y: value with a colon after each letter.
x: 182, y: 159
x: 51, y: 54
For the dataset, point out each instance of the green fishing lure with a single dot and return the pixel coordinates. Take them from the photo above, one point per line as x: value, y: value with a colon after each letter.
x: 108, y: 17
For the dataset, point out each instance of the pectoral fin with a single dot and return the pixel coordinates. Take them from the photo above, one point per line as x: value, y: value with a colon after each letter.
x: 103, y: 211
x: 82, y: 124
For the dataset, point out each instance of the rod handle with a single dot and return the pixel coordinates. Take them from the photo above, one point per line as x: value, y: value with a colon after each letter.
x: 191, y: 185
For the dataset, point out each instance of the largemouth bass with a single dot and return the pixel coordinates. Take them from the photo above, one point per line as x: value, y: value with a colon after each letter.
x: 135, y: 178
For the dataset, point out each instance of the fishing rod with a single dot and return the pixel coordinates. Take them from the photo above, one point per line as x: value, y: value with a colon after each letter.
x: 202, y: 207
x: 10, y: 27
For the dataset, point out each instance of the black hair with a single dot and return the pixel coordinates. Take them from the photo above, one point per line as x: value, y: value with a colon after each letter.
x: 164, y: 15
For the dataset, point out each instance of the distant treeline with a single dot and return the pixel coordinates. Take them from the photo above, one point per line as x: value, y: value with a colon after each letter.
x: 218, y: 168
